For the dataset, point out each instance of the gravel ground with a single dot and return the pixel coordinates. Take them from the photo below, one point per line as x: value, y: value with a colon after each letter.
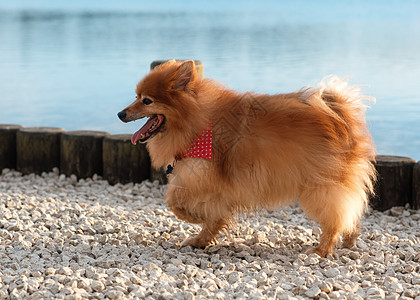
x: 66, y: 239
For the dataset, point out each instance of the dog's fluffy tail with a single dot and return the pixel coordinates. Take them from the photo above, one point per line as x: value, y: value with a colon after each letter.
x: 335, y: 96
x: 347, y: 105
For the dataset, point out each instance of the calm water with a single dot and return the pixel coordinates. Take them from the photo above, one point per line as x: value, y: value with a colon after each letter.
x: 75, y: 65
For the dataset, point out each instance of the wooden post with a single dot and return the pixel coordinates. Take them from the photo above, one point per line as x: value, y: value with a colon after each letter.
x: 156, y: 174
x: 415, y: 201
x: 394, y: 185
x: 124, y: 162
x: 8, y: 146
x: 38, y: 149
x: 159, y: 175
x: 81, y: 153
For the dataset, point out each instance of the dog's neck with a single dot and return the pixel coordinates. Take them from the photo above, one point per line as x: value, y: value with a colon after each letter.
x: 201, y: 148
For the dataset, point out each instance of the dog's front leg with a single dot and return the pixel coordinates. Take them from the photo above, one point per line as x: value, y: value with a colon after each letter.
x: 198, y: 208
x: 206, y: 236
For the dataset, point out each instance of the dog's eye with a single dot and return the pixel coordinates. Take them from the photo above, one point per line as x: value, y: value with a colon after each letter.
x: 147, y: 101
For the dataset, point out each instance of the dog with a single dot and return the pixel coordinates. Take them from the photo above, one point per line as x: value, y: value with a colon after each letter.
x: 230, y: 153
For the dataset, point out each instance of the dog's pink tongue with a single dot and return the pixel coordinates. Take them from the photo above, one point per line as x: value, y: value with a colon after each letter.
x: 136, y: 136
x: 143, y: 131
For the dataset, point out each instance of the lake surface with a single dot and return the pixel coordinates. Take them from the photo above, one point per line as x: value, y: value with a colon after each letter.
x: 75, y: 65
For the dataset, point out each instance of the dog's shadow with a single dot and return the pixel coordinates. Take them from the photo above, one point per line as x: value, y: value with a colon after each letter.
x: 237, y: 248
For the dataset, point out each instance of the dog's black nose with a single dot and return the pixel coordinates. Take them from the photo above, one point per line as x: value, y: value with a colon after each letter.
x: 122, y: 114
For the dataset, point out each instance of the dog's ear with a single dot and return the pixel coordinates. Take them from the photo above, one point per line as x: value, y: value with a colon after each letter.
x: 185, y: 74
x: 171, y: 62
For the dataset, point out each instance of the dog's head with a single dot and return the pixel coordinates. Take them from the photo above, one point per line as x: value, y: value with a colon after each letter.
x: 166, y: 96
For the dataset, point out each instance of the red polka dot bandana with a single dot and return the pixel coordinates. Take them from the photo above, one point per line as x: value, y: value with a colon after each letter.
x: 202, y: 146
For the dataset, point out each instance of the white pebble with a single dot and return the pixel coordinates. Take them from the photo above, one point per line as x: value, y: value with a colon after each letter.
x: 311, y: 260
x: 376, y: 292
x: 396, y: 287
x: 332, y: 272
x: 313, y: 292
x: 416, y: 280
x: 97, y: 286
x: 114, y: 294
x: 325, y: 287
x: 65, y: 271
x: 365, y: 284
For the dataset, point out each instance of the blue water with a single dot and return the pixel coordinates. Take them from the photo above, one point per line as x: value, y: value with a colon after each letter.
x: 75, y: 64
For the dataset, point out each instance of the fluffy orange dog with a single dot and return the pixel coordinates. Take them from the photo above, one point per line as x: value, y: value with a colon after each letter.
x: 233, y: 153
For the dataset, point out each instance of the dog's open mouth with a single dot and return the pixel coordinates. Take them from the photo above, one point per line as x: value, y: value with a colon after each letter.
x: 150, y: 129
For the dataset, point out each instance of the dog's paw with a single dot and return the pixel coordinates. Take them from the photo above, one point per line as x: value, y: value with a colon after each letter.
x: 349, y: 241
x: 319, y: 251
x: 195, y: 242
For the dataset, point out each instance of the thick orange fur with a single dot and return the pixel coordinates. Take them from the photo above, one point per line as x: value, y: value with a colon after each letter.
x: 269, y: 150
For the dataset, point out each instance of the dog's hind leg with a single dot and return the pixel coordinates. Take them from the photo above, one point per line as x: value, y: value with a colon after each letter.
x: 336, y: 210
x: 349, y: 238
x: 329, y: 238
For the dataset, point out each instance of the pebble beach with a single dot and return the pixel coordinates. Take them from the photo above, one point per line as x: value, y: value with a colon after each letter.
x: 64, y: 238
